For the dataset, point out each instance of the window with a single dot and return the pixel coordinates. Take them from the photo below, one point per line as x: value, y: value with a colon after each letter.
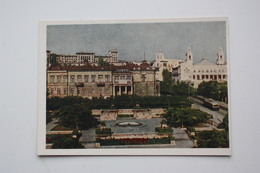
x: 52, y: 91
x: 116, y: 77
x: 52, y: 79
x: 107, y: 78
x: 143, y: 77
x: 65, y: 91
x: 71, y: 91
x: 93, y: 78
x: 122, y: 77
x: 72, y: 78
x: 100, y: 78
x: 86, y: 78
x: 128, y: 77
x: 58, y: 79
x: 65, y: 79
x: 79, y: 78
x: 58, y: 91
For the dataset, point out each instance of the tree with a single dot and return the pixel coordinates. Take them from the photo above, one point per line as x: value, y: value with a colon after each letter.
x: 63, y: 141
x: 169, y: 87
x: 76, y: 116
x: 53, y: 59
x: 185, y: 117
x: 224, y: 124
x: 102, y: 63
x: 213, y: 89
x: 213, y: 139
x: 167, y: 83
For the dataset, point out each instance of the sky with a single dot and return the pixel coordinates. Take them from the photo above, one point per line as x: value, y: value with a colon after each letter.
x: 139, y: 41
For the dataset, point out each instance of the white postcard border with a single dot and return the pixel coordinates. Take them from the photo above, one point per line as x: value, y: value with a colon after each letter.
x: 41, y: 140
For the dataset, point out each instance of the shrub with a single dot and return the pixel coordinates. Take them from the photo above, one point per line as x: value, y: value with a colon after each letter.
x: 164, y: 131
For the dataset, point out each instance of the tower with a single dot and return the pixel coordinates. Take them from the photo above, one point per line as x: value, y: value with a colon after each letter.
x: 113, y: 54
x: 159, y: 56
x: 220, y: 57
x: 189, y: 56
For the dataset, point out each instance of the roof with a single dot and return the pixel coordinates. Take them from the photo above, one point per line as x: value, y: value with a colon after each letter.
x: 205, y: 62
x: 85, y: 53
x: 89, y: 67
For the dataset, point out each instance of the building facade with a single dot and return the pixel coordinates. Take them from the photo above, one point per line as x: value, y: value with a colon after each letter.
x: 87, y: 57
x: 161, y: 63
x: 202, y: 71
x: 93, y: 81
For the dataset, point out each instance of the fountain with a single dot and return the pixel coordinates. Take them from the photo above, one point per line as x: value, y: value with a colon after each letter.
x: 128, y: 123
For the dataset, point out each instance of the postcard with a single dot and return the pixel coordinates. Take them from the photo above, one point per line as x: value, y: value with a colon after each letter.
x: 134, y: 87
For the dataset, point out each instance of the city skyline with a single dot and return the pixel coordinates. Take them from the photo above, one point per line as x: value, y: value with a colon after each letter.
x: 139, y: 41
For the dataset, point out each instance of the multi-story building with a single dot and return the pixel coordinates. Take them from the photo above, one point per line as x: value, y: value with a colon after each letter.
x: 161, y: 63
x: 95, y: 81
x: 202, y: 71
x: 87, y: 57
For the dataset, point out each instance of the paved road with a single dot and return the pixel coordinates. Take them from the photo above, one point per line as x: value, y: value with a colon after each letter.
x: 217, y: 116
x: 182, y: 139
x: 51, y: 125
x: 88, y: 136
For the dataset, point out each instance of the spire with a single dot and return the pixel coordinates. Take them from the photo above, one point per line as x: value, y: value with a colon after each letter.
x: 189, y: 56
x: 220, y: 57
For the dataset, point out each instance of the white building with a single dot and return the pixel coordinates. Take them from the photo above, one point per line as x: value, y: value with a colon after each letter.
x: 162, y: 63
x: 87, y: 57
x: 202, y: 71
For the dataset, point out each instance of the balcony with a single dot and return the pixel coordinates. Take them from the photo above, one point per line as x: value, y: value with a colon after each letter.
x: 123, y: 81
x: 100, y: 84
x: 79, y: 84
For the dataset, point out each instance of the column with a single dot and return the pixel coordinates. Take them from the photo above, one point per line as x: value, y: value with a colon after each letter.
x: 114, y: 90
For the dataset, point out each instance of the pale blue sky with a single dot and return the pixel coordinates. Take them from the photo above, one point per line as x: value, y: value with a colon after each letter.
x: 132, y: 40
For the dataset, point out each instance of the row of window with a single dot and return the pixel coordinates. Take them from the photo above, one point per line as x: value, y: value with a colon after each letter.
x: 74, y: 91
x: 123, y: 77
x: 80, y: 78
x: 211, y: 77
x: 206, y: 71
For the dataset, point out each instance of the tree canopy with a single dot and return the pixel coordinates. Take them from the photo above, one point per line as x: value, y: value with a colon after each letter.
x: 170, y: 87
x: 214, y: 89
x: 77, y: 116
x: 186, y: 117
x: 213, y: 139
x: 119, y: 102
x: 102, y: 63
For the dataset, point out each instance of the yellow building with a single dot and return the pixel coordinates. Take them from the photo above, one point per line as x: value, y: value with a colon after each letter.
x: 94, y: 81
